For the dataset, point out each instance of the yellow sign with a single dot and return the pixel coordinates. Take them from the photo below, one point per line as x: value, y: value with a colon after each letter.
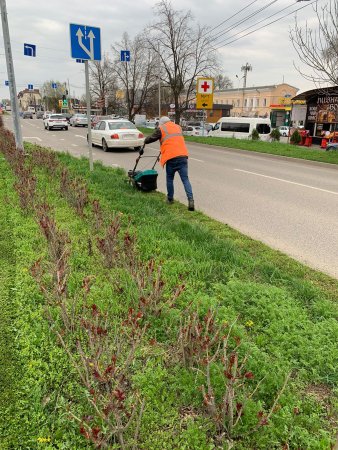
x: 60, y: 103
x: 204, y: 101
x: 205, y: 93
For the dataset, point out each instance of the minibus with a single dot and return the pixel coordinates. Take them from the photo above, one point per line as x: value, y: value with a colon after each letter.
x: 241, y: 127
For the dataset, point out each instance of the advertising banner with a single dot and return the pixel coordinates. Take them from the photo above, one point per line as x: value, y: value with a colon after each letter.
x: 327, y: 109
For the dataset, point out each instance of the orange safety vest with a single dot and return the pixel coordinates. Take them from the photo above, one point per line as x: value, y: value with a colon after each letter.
x: 172, y: 142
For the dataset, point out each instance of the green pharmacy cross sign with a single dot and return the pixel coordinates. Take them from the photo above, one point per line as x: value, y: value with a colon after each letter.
x: 64, y: 103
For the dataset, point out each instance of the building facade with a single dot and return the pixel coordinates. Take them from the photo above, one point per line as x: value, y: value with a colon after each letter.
x: 259, y: 101
x: 29, y: 97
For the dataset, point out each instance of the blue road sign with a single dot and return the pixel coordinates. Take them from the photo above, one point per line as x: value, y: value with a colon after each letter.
x: 30, y: 87
x: 29, y: 50
x: 125, y: 55
x: 54, y: 85
x: 80, y: 60
x: 6, y: 83
x: 85, y: 42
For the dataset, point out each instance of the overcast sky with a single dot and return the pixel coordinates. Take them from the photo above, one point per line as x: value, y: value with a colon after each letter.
x: 46, y: 24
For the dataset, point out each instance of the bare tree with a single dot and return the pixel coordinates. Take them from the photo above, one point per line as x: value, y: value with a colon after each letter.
x: 222, y: 82
x: 318, y: 48
x: 102, y: 82
x: 184, y: 53
x: 51, y: 96
x: 136, y: 76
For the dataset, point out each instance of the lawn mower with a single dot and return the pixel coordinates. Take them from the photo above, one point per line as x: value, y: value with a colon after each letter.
x: 144, y: 180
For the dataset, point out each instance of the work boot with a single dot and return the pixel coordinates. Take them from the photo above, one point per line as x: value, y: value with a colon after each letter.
x: 170, y: 201
x: 191, y: 205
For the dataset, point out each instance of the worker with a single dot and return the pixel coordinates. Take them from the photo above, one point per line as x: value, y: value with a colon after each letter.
x: 174, y: 156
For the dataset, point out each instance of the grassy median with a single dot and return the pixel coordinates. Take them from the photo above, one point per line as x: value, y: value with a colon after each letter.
x: 180, y: 286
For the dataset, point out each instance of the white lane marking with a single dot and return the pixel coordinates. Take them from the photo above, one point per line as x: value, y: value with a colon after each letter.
x: 195, y: 159
x: 74, y: 145
x: 53, y: 135
x: 287, y: 181
x: 78, y: 135
x: 61, y: 139
x: 115, y: 165
x: 32, y: 137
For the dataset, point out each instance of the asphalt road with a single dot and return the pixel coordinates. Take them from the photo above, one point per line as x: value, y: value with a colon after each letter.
x: 291, y: 205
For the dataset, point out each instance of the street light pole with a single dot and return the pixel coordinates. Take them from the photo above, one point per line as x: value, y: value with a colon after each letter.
x: 11, y: 76
x: 159, y: 83
x: 90, y: 146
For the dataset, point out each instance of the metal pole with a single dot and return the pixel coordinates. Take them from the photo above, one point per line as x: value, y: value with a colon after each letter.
x: 203, y: 111
x: 11, y: 77
x: 90, y: 148
x: 159, y: 83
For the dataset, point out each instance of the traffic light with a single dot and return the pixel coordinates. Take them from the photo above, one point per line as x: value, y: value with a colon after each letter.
x: 63, y: 97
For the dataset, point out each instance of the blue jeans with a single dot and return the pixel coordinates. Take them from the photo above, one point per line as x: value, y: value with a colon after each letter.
x: 180, y: 165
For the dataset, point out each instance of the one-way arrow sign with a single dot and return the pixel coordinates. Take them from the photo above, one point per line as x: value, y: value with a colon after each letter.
x: 125, y: 55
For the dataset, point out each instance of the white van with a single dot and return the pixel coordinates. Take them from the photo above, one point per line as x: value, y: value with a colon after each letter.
x: 241, y: 127
x: 31, y: 109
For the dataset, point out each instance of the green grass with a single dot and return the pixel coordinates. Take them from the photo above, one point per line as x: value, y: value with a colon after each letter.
x: 273, y: 148
x: 293, y: 310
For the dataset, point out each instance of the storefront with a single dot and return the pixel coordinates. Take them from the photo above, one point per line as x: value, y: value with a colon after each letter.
x: 321, y: 112
x: 280, y: 112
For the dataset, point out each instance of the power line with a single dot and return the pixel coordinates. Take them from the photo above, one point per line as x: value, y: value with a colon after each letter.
x: 255, y: 24
x: 229, y: 18
x: 245, y: 19
x: 264, y: 26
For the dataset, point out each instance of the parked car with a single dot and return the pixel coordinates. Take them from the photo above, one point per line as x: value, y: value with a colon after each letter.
x: 332, y: 146
x: 97, y: 119
x: 194, y: 131
x: 284, y: 130
x: 56, y: 121
x: 78, y: 120
x: 151, y: 124
x: 68, y: 116
x: 46, y: 114
x: 39, y: 114
x: 116, y: 133
x: 27, y: 115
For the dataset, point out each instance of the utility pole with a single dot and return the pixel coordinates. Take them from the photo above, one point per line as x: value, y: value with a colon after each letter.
x: 11, y: 76
x: 247, y: 68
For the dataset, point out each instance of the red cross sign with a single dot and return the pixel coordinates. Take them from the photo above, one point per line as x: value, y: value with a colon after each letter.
x: 205, y: 86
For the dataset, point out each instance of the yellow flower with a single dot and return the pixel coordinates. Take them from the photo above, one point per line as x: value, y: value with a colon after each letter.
x: 249, y: 323
x: 43, y: 440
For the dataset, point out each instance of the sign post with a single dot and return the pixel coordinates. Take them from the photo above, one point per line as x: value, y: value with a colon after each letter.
x: 85, y: 44
x: 11, y: 76
x: 204, y: 96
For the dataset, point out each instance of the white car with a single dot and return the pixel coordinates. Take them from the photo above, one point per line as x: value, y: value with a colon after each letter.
x: 194, y: 131
x: 78, y: 120
x: 55, y: 121
x: 284, y: 130
x: 116, y: 133
x: 46, y: 114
